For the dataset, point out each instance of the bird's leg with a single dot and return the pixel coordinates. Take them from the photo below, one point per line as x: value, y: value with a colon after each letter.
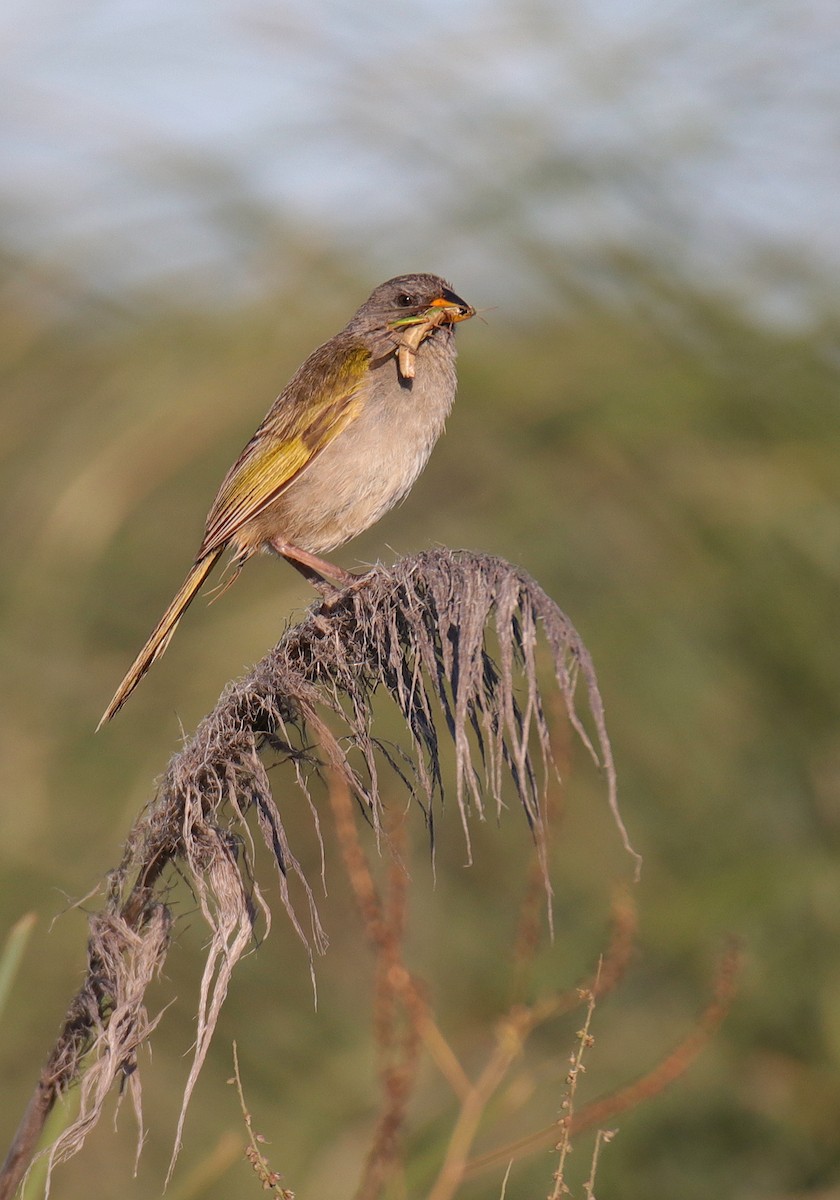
x: 317, y: 570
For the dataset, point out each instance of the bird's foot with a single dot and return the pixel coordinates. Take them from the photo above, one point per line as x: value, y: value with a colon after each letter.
x: 352, y: 583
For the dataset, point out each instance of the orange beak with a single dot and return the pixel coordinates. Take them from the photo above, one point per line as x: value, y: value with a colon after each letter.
x: 455, y: 309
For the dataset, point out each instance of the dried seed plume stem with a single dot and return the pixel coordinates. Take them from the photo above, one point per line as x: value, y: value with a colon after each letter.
x: 452, y: 639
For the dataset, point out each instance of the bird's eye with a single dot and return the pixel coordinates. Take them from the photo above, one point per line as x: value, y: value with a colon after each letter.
x: 406, y: 300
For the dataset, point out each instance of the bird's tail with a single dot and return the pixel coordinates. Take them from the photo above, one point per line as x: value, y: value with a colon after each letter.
x: 162, y: 633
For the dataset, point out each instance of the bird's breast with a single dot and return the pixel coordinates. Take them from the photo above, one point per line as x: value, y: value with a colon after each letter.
x: 372, y: 464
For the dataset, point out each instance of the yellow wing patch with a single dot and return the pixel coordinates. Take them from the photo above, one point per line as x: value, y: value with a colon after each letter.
x: 277, y: 454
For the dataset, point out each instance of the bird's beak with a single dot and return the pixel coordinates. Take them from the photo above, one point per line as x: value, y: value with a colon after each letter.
x: 454, y: 308
x: 445, y: 309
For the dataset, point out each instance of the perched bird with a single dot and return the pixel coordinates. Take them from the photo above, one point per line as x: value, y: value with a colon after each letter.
x: 342, y: 443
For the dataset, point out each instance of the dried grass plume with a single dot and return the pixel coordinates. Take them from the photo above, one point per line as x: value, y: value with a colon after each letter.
x: 452, y: 639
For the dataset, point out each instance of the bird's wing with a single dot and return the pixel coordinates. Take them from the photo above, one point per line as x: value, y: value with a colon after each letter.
x: 322, y: 399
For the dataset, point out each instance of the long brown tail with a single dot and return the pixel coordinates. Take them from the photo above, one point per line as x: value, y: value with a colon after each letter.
x: 162, y: 633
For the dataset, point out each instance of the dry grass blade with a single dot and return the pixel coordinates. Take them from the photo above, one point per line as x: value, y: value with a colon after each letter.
x: 576, y: 1068
x: 270, y: 1180
x: 661, y: 1076
x: 418, y: 632
x: 681, y: 1057
x: 400, y: 1010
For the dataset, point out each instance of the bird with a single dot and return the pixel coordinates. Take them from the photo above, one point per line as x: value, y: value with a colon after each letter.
x: 341, y: 445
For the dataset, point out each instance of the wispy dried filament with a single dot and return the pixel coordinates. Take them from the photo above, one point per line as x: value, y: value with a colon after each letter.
x: 418, y: 632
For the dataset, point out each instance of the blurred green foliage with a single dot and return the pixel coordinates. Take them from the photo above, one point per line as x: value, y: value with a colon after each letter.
x: 673, y: 483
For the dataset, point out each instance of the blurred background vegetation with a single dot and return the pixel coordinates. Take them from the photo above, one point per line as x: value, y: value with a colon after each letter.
x: 645, y: 198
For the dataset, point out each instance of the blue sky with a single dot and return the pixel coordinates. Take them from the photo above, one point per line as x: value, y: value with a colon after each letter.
x: 506, y: 141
